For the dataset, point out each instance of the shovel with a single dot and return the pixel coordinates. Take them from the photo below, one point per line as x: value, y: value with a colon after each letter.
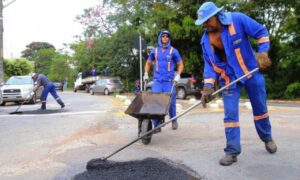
x: 94, y: 163
x: 17, y: 110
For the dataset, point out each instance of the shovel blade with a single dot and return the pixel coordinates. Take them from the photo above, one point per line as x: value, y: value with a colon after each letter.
x: 98, y: 163
x: 16, y: 112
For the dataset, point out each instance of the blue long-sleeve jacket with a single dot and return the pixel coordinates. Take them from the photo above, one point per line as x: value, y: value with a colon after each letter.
x: 236, y: 30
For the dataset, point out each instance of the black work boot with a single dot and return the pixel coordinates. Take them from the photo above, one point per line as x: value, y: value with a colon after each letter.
x: 157, y: 130
x: 271, y: 146
x: 43, y: 107
x: 62, y: 104
x: 227, y: 160
x: 174, y: 125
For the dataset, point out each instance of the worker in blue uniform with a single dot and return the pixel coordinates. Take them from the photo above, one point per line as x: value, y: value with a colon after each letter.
x: 42, y: 80
x: 165, y: 58
x: 228, y: 55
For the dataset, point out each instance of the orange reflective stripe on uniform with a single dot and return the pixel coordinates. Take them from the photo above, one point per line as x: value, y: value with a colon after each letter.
x: 156, y: 61
x: 209, y: 80
x: 169, y: 61
x: 231, y: 124
x: 232, y: 29
x: 263, y: 39
x: 222, y: 72
x: 256, y: 118
x: 241, y: 61
x: 238, y: 52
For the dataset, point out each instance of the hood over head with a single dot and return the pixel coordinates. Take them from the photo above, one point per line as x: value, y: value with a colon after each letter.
x: 159, y: 39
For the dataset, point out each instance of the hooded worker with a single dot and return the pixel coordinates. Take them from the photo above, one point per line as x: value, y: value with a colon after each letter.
x: 42, y: 80
x: 165, y: 58
x: 228, y: 55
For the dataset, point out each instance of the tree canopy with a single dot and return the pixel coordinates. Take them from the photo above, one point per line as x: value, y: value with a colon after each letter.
x: 111, y: 29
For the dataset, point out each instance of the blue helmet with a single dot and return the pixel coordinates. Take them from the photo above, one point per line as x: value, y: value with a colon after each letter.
x: 206, y: 11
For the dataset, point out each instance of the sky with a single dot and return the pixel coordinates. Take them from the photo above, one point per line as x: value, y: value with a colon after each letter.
x: 52, y: 21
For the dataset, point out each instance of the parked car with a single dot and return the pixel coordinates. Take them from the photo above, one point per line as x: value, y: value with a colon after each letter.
x: 17, y: 88
x: 107, y: 86
x: 59, y: 86
x: 187, y: 85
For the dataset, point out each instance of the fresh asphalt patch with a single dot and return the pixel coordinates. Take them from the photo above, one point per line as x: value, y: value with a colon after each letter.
x: 146, y: 169
x: 39, y: 111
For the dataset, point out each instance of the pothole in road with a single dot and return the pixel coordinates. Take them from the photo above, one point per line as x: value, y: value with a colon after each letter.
x: 146, y: 169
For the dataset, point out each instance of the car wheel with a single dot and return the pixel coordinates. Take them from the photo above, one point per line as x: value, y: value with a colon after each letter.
x: 181, y: 94
x: 33, y: 100
x: 106, y: 92
x: 2, y: 104
x: 91, y: 92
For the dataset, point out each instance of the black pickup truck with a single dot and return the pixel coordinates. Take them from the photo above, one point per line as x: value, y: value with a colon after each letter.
x: 187, y: 85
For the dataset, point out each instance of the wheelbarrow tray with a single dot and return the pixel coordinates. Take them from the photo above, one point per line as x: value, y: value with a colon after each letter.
x: 148, y: 105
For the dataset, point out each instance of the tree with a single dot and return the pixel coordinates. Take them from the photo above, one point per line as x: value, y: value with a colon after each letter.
x: 17, y: 67
x: 59, y: 69
x: 34, y: 47
x: 113, y: 35
x: 43, y: 59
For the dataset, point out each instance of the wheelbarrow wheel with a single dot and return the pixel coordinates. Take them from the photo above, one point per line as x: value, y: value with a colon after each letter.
x: 145, y: 127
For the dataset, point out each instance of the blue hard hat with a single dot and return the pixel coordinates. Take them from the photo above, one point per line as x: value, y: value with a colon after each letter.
x: 206, y: 11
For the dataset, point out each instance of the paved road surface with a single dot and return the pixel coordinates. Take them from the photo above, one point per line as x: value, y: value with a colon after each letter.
x: 58, y: 146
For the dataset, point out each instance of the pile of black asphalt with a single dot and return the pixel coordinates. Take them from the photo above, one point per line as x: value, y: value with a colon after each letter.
x: 146, y: 169
x: 39, y: 111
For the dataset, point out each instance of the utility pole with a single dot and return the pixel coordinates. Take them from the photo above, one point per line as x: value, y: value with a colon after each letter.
x: 1, y: 39
x: 1, y: 43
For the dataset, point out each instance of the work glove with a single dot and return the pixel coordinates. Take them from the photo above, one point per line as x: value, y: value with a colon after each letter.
x: 146, y: 76
x: 206, y: 95
x: 177, y: 78
x: 263, y: 60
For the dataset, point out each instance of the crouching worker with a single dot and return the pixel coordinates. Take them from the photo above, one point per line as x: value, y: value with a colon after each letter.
x: 165, y: 58
x: 42, y: 80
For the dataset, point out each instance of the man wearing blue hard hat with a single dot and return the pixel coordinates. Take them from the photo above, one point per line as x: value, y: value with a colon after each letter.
x: 228, y: 55
x: 165, y: 58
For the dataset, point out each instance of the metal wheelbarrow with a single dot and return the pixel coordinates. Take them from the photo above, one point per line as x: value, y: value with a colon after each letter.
x: 147, y: 106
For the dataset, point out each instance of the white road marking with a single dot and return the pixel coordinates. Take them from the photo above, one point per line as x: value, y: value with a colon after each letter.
x: 56, y: 113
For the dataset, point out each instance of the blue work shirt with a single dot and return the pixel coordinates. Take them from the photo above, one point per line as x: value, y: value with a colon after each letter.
x: 240, y: 57
x: 42, y: 80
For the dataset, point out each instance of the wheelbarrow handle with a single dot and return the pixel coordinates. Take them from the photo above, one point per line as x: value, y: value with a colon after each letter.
x: 181, y: 114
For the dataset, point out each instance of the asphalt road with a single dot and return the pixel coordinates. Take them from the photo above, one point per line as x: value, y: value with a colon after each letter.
x: 58, y: 145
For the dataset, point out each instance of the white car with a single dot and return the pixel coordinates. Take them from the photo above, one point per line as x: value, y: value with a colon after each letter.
x: 17, y: 89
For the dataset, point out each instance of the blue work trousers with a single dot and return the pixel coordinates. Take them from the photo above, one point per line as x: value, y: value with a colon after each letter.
x: 49, y: 88
x: 255, y: 87
x: 165, y: 87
